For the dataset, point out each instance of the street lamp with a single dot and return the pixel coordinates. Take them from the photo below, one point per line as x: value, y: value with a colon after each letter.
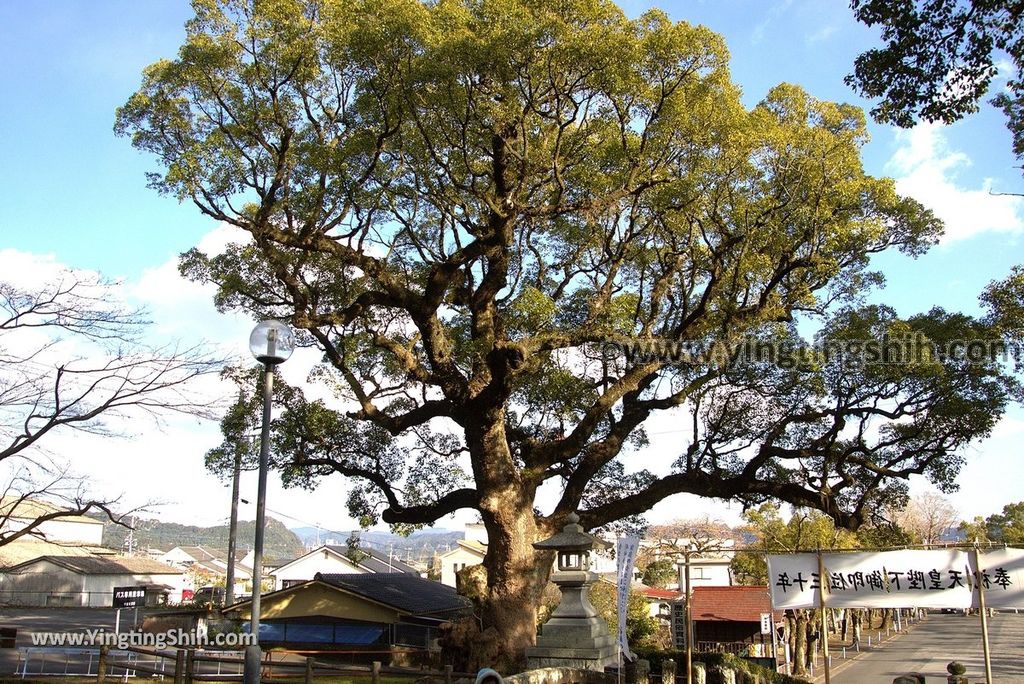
x: 271, y: 342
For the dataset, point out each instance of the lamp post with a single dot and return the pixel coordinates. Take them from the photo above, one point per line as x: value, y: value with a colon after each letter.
x: 271, y: 342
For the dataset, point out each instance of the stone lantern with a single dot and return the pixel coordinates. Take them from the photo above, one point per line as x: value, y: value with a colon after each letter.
x: 575, y: 635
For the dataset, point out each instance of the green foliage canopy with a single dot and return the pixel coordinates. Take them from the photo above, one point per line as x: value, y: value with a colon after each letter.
x: 1008, y: 526
x: 641, y: 627
x: 805, y: 530
x: 469, y: 206
x: 660, y: 573
x: 940, y: 58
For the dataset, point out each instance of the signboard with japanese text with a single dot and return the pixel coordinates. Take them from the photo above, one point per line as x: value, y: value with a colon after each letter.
x: 1002, y: 575
x: 887, y: 579
x: 898, y: 579
x: 129, y: 597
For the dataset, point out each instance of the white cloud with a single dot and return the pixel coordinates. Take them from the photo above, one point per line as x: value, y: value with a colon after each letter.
x: 774, y: 12
x: 163, y: 461
x: 821, y: 35
x: 926, y: 168
x: 1005, y: 70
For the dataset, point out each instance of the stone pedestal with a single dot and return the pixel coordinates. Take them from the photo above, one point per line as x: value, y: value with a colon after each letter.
x: 575, y: 636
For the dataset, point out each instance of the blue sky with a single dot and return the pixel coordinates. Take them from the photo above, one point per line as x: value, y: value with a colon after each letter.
x: 74, y: 194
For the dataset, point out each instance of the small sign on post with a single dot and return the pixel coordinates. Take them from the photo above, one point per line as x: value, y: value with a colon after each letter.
x: 129, y: 597
x: 766, y: 623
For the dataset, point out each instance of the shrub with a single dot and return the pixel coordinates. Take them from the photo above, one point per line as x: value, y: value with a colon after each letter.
x: 655, y: 657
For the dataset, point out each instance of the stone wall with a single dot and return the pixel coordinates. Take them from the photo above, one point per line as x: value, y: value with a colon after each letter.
x: 561, y: 675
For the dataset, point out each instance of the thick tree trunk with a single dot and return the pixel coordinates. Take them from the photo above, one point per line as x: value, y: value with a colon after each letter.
x: 800, y: 642
x: 516, y: 573
x: 516, y: 577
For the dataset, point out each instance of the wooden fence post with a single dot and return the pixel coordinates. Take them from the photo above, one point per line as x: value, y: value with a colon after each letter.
x: 448, y: 674
x: 179, y: 666
x: 101, y: 664
x: 190, y: 665
x: 375, y: 672
x: 309, y: 670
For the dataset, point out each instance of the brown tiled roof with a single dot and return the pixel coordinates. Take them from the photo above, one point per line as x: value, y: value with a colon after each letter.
x: 657, y: 593
x: 120, y: 565
x: 734, y: 604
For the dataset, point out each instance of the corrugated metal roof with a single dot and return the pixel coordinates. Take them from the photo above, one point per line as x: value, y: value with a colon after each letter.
x: 25, y: 509
x: 23, y: 550
x: 89, y: 565
x: 405, y: 592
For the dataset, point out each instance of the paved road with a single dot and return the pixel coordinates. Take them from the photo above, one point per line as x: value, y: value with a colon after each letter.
x: 29, y: 620
x: 936, y: 641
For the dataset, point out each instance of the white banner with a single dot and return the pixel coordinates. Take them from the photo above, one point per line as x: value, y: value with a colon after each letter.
x: 887, y: 579
x: 625, y: 556
x: 1003, y: 578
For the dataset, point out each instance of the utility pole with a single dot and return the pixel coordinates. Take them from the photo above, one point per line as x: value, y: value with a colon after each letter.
x: 689, y: 617
x: 229, y: 590
x: 130, y: 541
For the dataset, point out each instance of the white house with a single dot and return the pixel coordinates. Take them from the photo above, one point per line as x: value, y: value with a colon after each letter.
x: 336, y: 559
x: 472, y: 549
x: 187, y: 556
x: 467, y: 552
x: 82, y: 580
x: 711, y: 569
x: 204, y: 566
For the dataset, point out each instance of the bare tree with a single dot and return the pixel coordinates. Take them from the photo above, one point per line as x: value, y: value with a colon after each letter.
x: 694, y: 535
x: 927, y: 516
x: 72, y: 359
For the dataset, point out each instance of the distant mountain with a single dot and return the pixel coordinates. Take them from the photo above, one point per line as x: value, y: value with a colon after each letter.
x: 279, y: 541
x: 420, y: 545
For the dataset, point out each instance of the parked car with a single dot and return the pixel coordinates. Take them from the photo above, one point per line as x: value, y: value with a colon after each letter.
x: 213, y: 596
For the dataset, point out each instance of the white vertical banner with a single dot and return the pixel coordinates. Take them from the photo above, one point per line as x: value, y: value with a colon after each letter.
x: 625, y: 556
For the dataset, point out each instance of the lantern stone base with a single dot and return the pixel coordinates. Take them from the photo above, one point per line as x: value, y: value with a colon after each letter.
x: 584, y: 644
x: 577, y: 658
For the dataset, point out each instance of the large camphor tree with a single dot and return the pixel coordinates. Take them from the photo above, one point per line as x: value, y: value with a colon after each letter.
x: 474, y: 207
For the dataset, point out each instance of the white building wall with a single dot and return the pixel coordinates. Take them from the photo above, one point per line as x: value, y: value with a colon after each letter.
x: 71, y: 531
x: 48, y: 584
x: 306, y: 567
x: 706, y: 575
x: 455, y: 560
